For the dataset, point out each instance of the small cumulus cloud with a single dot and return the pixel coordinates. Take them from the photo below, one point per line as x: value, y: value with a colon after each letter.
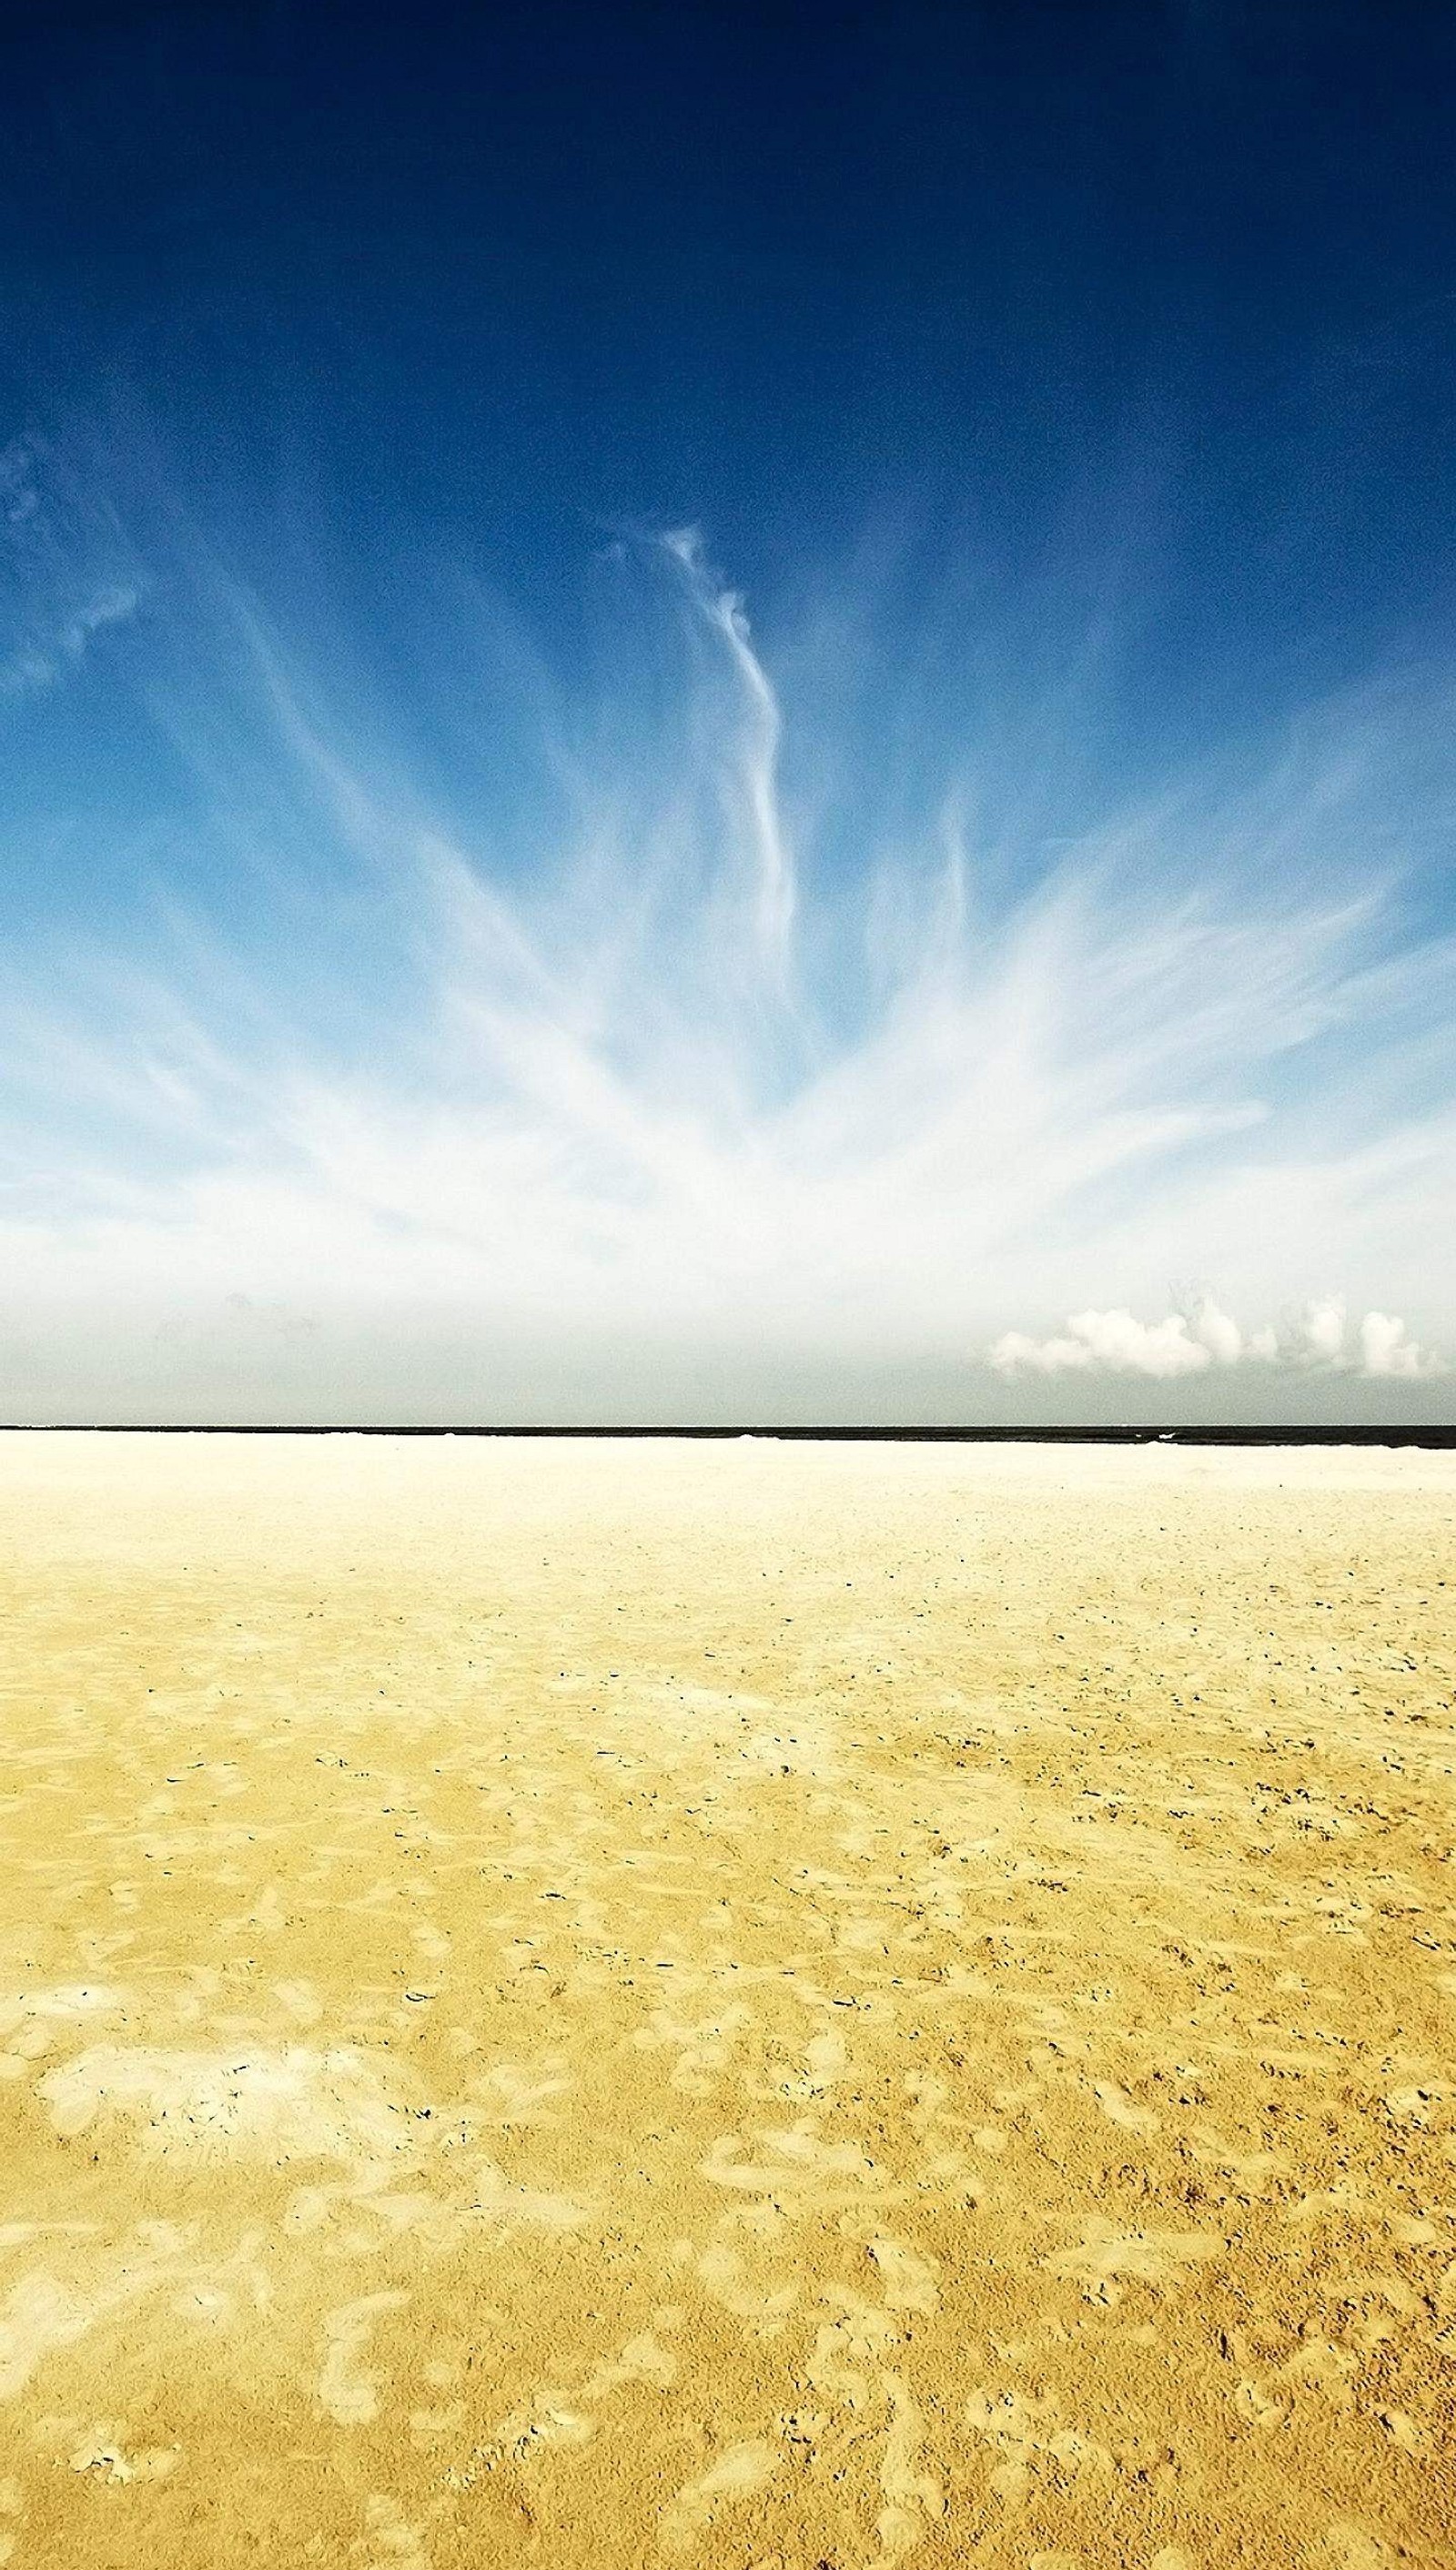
x: 1215, y: 1331
x: 1321, y: 1333
x: 1115, y: 1342
x: 1109, y: 1342
x: 1386, y: 1349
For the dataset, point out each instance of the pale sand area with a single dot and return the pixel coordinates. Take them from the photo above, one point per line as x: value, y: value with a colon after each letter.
x: 733, y: 2005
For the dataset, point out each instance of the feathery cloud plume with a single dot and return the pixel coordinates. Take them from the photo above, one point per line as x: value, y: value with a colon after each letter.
x: 666, y: 1109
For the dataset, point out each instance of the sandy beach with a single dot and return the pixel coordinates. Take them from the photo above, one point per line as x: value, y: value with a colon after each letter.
x: 780, y: 2007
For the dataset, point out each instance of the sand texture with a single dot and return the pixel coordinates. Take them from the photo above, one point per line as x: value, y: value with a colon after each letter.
x: 773, y: 2008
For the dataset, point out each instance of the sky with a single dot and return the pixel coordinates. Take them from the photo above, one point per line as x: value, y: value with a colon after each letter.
x: 727, y: 715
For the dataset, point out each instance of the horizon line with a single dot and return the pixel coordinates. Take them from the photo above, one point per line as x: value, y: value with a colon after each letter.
x: 1433, y: 1434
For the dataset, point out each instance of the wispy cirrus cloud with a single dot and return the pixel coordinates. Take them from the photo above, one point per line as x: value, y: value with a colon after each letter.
x: 615, y: 1123
x: 63, y: 593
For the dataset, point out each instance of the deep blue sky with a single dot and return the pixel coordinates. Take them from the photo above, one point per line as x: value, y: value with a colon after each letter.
x: 1066, y: 391
x: 1106, y: 295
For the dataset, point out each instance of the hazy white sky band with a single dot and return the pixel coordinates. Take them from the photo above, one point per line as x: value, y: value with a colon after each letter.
x: 614, y: 1153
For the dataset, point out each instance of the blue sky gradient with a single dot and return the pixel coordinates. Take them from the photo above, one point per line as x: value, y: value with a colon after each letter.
x: 727, y: 713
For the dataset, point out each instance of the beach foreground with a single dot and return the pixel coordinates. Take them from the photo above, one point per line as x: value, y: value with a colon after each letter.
x: 740, y: 2004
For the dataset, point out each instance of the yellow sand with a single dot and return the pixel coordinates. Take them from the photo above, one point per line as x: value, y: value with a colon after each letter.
x: 740, y: 2004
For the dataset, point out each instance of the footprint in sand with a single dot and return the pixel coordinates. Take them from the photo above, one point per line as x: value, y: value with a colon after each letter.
x: 32, y: 2023
x: 346, y: 2389
x: 735, y: 2476
x: 642, y: 2359
x: 1315, y: 2370
x: 912, y: 2492
x: 41, y: 2314
x: 105, y: 2457
x: 826, y: 2060
x: 1027, y: 2432
x: 514, y: 2096
x: 1354, y: 2547
x: 797, y: 2163
x: 704, y: 2048
x: 848, y: 2353
x: 1107, y: 2260
x: 390, y: 2539
x: 764, y: 2307
x: 538, y: 2425
x: 1122, y: 2109
x: 301, y: 2001
x: 908, y: 2279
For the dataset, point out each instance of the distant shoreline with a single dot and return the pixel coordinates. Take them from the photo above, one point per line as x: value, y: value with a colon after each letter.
x: 1435, y: 1436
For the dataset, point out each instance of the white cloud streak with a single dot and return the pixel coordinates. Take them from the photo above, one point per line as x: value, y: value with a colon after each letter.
x: 65, y: 603
x: 598, y: 1125
x: 752, y: 770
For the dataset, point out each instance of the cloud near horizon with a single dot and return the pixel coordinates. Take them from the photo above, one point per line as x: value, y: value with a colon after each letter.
x: 668, y: 1095
x: 1189, y: 1344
